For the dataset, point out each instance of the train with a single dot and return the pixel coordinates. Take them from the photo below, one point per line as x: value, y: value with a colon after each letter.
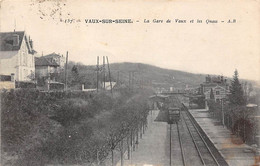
x: 174, y: 115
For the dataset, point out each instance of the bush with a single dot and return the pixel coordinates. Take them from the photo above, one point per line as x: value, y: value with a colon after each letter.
x: 67, y: 127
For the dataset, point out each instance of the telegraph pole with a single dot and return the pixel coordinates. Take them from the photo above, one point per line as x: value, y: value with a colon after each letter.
x: 109, y: 76
x: 133, y: 75
x: 117, y: 77
x: 222, y: 111
x: 104, y: 73
x: 170, y: 144
x: 97, y: 71
x: 129, y: 80
x: 66, y: 70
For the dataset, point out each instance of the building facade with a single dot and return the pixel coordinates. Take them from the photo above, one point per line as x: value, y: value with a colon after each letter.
x: 44, y: 68
x: 218, y: 93
x: 17, y: 56
x: 215, y: 88
x: 59, y: 59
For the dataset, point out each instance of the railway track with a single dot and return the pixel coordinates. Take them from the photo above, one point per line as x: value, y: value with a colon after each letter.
x: 218, y: 158
x: 196, y: 148
x: 181, y: 146
x: 204, y: 153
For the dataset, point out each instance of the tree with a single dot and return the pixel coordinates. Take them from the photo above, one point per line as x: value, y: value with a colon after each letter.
x: 237, y: 95
x: 75, y: 75
x: 211, y: 94
x: 75, y: 70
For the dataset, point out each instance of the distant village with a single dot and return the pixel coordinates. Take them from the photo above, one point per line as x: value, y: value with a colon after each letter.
x: 21, y: 66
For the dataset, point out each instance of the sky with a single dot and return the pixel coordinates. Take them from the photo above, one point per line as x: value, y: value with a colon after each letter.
x: 214, y: 48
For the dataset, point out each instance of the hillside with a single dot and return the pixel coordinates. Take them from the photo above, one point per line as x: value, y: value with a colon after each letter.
x: 139, y: 74
x: 155, y: 76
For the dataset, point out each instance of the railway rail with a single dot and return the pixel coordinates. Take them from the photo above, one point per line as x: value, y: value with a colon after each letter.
x: 192, y: 139
x: 181, y: 146
x: 218, y: 158
x: 204, y: 153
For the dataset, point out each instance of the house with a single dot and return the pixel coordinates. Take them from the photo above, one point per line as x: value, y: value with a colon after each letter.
x: 47, y: 73
x: 218, y: 93
x: 45, y: 68
x: 216, y: 86
x: 59, y: 59
x: 17, y: 56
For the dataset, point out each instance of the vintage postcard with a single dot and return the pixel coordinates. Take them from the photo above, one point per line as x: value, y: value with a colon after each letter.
x: 130, y: 82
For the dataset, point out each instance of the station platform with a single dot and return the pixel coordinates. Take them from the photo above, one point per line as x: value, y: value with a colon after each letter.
x: 234, y: 151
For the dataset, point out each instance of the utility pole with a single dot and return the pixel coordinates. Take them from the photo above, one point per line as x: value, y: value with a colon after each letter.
x: 170, y: 144
x: 244, y: 127
x: 97, y: 71
x: 222, y: 111
x: 133, y: 75
x: 121, y: 152
x: 109, y: 76
x: 104, y: 73
x: 129, y: 80
x: 66, y: 70
x: 1, y: 123
x: 117, y: 77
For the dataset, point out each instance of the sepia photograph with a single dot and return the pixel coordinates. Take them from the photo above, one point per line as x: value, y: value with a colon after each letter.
x: 129, y: 83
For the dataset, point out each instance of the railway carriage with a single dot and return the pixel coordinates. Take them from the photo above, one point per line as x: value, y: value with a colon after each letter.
x: 173, y: 115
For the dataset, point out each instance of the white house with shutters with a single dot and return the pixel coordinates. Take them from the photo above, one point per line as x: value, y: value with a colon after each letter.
x: 17, y: 55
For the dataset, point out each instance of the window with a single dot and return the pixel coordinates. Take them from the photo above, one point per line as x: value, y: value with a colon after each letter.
x: 217, y: 92
x: 5, y: 78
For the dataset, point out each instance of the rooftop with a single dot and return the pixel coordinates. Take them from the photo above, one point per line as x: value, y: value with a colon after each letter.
x: 42, y: 61
x: 53, y: 55
x: 7, y: 40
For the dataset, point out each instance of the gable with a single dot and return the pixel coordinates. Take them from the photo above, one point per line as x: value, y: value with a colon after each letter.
x: 219, y: 88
